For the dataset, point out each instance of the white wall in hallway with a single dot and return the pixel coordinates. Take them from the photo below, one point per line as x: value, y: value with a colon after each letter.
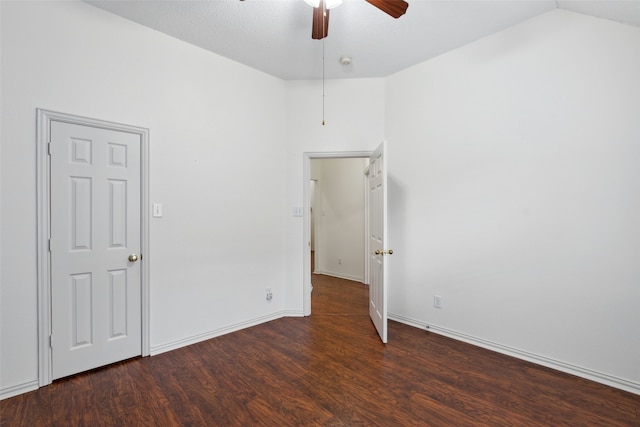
x: 340, y: 217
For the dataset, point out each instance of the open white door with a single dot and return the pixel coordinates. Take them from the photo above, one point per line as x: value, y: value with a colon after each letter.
x: 378, y: 240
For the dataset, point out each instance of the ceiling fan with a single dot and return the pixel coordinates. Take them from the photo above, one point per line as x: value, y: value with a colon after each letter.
x: 320, y: 28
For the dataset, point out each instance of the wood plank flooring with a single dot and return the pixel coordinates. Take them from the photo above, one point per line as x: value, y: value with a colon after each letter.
x: 329, y: 369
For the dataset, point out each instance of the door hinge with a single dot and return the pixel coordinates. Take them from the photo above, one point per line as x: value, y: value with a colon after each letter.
x: 49, y: 245
x: 48, y: 148
x: 50, y: 342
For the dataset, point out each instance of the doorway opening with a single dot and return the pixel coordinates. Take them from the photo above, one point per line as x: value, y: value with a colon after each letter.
x: 331, y: 255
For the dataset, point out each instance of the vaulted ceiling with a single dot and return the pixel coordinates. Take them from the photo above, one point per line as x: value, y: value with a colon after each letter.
x: 274, y: 36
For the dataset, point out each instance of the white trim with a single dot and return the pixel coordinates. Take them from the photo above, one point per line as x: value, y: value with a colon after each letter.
x: 367, y: 231
x: 15, y: 390
x: 292, y: 313
x: 194, y: 339
x: 43, y: 177
x: 306, y: 234
x: 340, y: 276
x: 579, y: 371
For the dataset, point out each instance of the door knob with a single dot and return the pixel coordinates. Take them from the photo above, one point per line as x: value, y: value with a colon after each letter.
x: 133, y: 257
x: 380, y: 252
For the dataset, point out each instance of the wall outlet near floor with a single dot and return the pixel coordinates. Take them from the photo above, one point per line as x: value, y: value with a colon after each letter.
x: 437, y: 301
x: 269, y: 294
x: 339, y: 260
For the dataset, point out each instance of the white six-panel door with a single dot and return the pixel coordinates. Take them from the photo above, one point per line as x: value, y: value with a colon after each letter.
x: 377, y: 240
x: 95, y: 227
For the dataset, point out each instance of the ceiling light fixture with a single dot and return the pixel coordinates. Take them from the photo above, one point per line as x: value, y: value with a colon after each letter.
x: 328, y: 4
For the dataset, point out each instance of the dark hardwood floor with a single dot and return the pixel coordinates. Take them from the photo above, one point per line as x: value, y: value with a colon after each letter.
x: 329, y: 369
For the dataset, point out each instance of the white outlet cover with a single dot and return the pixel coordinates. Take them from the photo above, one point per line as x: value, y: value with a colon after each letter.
x: 437, y: 301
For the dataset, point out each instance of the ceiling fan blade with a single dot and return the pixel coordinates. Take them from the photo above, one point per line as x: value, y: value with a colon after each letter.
x: 320, y: 28
x: 395, y: 8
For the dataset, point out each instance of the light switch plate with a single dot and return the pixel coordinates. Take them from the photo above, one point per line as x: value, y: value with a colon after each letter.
x: 157, y: 210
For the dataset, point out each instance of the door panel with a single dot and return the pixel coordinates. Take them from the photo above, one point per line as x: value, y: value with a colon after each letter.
x: 378, y: 240
x: 95, y: 226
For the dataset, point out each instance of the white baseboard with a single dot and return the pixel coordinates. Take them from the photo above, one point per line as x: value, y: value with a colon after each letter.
x: 174, y: 345
x: 15, y: 390
x: 292, y: 313
x: 599, y: 377
x: 339, y: 276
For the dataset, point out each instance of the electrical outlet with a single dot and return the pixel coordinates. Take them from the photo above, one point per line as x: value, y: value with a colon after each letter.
x: 437, y: 301
x: 269, y: 294
x: 339, y: 260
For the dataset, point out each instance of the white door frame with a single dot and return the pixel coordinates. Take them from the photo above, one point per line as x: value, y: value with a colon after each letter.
x: 314, y: 226
x: 43, y: 202
x: 306, y: 235
x: 367, y: 228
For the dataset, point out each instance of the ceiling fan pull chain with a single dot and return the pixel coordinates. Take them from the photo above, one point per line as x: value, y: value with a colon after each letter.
x: 324, y: 17
x: 322, y: 82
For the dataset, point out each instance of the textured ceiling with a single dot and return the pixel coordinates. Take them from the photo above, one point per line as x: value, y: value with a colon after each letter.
x: 275, y: 35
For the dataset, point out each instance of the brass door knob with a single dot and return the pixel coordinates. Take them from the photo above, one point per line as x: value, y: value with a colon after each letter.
x: 379, y: 252
x: 133, y: 257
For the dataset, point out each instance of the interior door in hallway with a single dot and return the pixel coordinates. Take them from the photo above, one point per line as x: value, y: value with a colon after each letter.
x: 95, y: 247
x: 378, y: 240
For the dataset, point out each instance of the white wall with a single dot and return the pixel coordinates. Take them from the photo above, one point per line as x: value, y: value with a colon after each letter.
x: 340, y: 217
x: 513, y: 166
x: 217, y: 165
x: 354, y: 115
x: 515, y: 194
